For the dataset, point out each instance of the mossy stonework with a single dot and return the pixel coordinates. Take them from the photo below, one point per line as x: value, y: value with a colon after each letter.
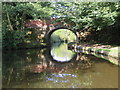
x: 113, y: 53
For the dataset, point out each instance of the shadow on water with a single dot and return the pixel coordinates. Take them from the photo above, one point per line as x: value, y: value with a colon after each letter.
x: 56, y: 67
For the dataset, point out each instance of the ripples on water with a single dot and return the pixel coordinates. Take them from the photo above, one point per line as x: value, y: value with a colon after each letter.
x: 57, y: 68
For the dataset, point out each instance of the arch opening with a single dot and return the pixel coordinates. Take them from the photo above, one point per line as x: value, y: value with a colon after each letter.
x: 61, y: 35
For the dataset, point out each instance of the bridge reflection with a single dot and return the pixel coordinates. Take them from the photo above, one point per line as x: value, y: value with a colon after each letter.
x: 38, y: 65
x: 39, y: 62
x: 44, y: 62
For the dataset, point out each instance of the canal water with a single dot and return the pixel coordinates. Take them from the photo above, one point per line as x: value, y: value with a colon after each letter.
x: 56, y: 67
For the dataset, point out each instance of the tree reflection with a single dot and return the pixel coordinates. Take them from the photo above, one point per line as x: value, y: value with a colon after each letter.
x: 35, y: 65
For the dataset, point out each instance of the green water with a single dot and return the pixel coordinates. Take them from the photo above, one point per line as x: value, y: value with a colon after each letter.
x: 56, y: 67
x: 66, y: 54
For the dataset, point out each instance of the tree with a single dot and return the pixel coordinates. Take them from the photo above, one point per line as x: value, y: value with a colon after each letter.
x: 85, y: 14
x: 80, y: 15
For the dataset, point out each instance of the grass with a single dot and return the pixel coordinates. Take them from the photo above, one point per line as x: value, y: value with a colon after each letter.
x: 115, y: 52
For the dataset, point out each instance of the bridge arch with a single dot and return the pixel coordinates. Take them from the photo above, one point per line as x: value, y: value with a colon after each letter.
x: 50, y: 32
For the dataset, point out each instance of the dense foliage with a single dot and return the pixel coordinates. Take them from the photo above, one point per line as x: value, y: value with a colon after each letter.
x: 97, y: 15
x: 14, y: 16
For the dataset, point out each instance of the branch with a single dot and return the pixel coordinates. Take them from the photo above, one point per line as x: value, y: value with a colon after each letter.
x: 10, y: 25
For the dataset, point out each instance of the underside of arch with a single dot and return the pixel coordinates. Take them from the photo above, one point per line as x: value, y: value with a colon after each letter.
x: 50, y: 32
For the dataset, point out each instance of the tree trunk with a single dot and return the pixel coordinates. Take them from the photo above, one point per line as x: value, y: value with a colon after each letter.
x: 9, y: 22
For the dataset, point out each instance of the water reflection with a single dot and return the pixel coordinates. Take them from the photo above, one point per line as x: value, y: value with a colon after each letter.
x: 105, y: 57
x: 60, y: 52
x: 38, y: 69
x: 64, y: 78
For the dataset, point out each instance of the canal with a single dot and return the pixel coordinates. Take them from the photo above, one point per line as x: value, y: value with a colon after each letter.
x: 56, y: 67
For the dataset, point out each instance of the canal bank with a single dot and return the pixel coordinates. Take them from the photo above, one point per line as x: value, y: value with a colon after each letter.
x: 99, y: 50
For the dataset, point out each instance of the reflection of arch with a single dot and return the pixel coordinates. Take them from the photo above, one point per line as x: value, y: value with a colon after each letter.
x: 49, y: 57
x: 49, y: 33
x: 47, y: 63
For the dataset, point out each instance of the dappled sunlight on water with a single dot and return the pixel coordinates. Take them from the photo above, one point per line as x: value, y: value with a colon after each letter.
x: 39, y: 69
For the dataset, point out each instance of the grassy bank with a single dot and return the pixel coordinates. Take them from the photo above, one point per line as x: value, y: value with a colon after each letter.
x: 109, y: 50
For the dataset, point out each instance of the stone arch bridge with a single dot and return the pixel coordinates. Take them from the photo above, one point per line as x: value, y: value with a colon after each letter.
x: 42, y: 30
